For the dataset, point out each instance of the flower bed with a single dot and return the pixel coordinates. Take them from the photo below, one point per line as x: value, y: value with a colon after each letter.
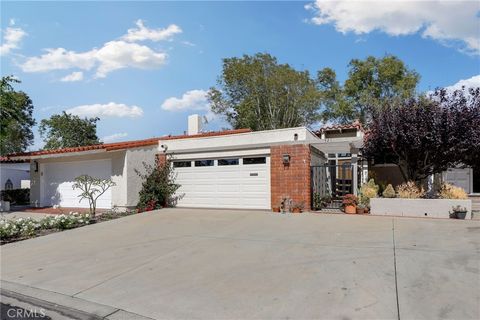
x: 25, y: 228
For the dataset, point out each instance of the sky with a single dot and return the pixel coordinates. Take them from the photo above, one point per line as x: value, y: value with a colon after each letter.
x: 143, y: 67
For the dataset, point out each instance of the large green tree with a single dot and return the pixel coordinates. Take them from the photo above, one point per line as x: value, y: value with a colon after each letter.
x: 67, y: 130
x: 257, y: 92
x: 16, y: 120
x: 371, y: 84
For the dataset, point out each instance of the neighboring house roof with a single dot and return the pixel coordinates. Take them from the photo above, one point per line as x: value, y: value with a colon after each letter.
x: 8, y: 160
x: 336, y: 127
x: 121, y: 145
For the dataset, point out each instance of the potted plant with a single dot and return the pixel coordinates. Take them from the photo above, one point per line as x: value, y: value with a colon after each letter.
x: 361, y: 208
x: 298, y: 207
x: 459, y: 212
x: 349, y: 203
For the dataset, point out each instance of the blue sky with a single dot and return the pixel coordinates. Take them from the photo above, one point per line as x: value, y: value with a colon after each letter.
x: 144, y: 82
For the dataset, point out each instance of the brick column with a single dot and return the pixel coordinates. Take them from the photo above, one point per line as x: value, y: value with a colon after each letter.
x: 161, y: 157
x: 293, y: 180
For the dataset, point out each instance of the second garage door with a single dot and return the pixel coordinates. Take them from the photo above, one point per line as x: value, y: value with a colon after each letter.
x: 234, y: 182
x: 58, y: 179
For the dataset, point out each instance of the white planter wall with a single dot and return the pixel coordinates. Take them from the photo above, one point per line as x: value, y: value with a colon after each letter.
x: 432, y: 208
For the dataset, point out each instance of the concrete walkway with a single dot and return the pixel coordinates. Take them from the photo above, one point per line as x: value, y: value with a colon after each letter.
x: 217, y: 264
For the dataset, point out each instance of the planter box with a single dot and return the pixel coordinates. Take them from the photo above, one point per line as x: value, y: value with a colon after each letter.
x: 433, y: 208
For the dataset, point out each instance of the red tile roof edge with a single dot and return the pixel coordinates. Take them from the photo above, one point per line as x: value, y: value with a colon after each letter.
x: 354, y: 125
x: 126, y: 144
x: 7, y: 159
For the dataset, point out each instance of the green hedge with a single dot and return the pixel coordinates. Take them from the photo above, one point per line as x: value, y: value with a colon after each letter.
x: 16, y: 196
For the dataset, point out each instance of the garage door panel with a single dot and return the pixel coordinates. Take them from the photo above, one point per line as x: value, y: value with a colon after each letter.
x: 234, y: 186
x: 58, y: 179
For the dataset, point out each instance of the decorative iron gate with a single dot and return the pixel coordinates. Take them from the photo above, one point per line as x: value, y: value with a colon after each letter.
x: 330, y: 182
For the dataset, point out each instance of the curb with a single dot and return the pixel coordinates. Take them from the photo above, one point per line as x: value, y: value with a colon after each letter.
x: 71, y: 307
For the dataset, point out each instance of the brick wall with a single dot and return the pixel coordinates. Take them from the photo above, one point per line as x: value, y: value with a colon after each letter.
x: 290, y: 181
x: 161, y: 157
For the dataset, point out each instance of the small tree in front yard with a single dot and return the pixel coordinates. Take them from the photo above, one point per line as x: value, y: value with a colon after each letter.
x: 158, y: 187
x: 92, y: 188
x: 427, y: 135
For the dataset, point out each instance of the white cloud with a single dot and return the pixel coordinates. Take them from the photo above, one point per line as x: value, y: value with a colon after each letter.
x: 473, y: 82
x: 449, y: 22
x: 113, y: 55
x: 111, y: 109
x: 74, y: 76
x: 11, y: 39
x: 114, y: 137
x: 190, y: 100
x: 141, y: 33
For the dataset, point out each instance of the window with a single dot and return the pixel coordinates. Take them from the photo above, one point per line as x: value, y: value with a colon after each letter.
x: 182, y: 164
x: 331, y: 155
x: 257, y: 160
x: 8, y: 185
x: 227, y: 162
x: 344, y: 155
x: 203, y: 163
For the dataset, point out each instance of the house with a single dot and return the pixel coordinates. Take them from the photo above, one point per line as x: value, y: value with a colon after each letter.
x: 225, y: 169
x: 14, y: 174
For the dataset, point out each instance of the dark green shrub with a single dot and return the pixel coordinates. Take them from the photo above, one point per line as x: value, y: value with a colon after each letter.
x: 158, y: 187
x: 16, y: 196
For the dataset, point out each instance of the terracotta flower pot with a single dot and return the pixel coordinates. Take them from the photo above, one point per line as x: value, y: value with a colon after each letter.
x: 276, y: 209
x: 350, y: 209
x: 360, y: 210
x: 296, y: 210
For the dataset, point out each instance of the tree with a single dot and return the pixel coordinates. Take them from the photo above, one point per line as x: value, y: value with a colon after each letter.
x: 16, y: 120
x: 92, y: 188
x: 371, y: 83
x: 427, y: 135
x: 158, y: 187
x: 257, y: 92
x: 66, y: 131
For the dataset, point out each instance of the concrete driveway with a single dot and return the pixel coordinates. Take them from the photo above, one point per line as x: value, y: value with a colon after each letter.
x: 225, y: 264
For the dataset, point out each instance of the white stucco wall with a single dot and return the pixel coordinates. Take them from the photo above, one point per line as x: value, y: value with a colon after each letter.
x: 248, y: 140
x: 16, y: 172
x: 134, y: 160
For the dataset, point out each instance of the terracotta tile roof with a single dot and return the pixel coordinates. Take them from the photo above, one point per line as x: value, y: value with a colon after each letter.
x: 7, y: 159
x: 125, y: 144
x: 354, y: 125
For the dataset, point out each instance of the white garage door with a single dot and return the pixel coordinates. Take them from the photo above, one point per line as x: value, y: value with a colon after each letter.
x: 58, y: 179
x: 234, y: 182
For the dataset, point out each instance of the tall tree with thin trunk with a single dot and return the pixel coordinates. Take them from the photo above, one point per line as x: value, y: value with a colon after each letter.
x: 16, y: 118
x: 371, y: 83
x: 67, y: 130
x: 257, y: 92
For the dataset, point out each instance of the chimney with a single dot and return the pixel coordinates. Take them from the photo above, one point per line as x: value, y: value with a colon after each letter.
x: 194, y: 124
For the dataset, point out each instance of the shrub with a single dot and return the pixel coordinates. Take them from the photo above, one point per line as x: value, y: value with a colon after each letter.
x: 28, y: 227
x: 410, y: 190
x: 16, y: 196
x: 320, y: 201
x: 367, y: 191
x: 158, y: 187
x: 449, y: 191
x: 92, y: 188
x: 349, y: 200
x: 389, y: 192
